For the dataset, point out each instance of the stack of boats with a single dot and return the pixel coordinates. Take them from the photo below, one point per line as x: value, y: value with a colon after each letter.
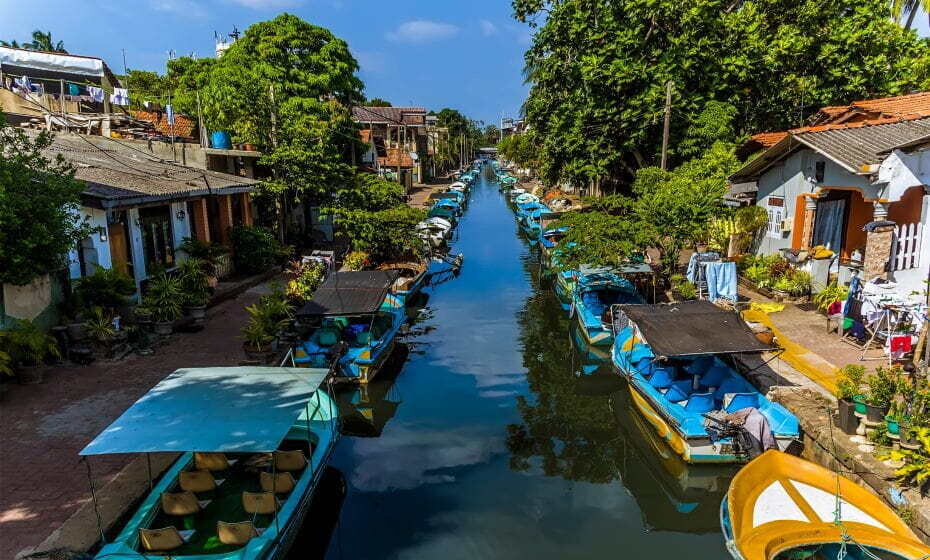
x: 447, y: 207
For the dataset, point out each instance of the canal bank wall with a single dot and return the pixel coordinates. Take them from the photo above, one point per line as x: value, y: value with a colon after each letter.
x: 825, y: 445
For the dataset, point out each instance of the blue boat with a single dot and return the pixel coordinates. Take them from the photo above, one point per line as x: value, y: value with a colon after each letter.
x: 548, y: 243
x: 594, y: 295
x: 411, y: 278
x: 528, y: 216
x: 253, y: 444
x: 450, y: 204
x: 445, y: 213
x: 355, y: 316
x: 676, y: 358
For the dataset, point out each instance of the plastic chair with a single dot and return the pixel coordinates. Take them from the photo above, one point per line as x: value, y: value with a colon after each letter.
x: 259, y: 503
x: 662, y: 378
x: 699, y: 366
x: 279, y: 483
x: 198, y: 481
x: 730, y: 385
x: 181, y: 504
x: 715, y: 376
x: 644, y: 366
x: 289, y: 460
x: 740, y: 401
x: 679, y: 391
x: 699, y: 403
x: 165, y: 539
x: 212, y: 462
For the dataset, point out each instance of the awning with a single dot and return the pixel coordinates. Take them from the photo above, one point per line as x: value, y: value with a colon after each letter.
x: 692, y: 328
x: 350, y: 293
x: 222, y: 409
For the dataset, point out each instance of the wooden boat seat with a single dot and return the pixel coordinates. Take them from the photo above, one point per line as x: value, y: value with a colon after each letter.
x: 259, y: 503
x: 289, y: 460
x: 212, y: 462
x: 182, y: 503
x: 160, y: 540
x: 236, y: 534
x: 279, y: 483
x: 198, y: 481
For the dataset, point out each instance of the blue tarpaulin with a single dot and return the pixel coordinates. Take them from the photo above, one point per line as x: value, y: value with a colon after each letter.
x: 223, y: 409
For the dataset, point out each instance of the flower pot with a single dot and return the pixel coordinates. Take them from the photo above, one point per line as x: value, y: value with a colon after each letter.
x: 261, y: 355
x: 196, y: 312
x: 875, y: 413
x: 76, y: 332
x: 859, y: 400
x: 29, y: 375
x: 164, y: 328
x: 846, y: 419
x: 893, y: 426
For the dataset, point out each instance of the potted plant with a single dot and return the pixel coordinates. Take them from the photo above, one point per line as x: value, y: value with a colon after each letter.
x: 848, y: 388
x: 258, y: 334
x: 882, y: 388
x: 30, y: 347
x: 195, y: 284
x: 209, y: 255
x: 894, y: 419
x: 163, y: 299
x: 100, y: 328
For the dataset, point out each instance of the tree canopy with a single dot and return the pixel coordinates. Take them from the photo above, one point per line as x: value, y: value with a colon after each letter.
x: 598, y: 71
x: 41, y: 41
x: 40, y: 201
x: 377, y: 102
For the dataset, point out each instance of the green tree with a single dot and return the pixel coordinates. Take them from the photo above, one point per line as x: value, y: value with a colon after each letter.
x: 40, y: 202
x: 598, y: 70
x: 384, y: 234
x: 377, y: 102
x: 40, y: 42
x: 908, y: 8
x: 520, y: 149
x: 146, y: 86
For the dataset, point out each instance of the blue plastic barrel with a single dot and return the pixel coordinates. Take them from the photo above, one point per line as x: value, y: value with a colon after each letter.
x: 220, y: 140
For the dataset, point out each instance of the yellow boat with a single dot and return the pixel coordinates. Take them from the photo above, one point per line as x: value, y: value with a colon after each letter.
x: 780, y: 507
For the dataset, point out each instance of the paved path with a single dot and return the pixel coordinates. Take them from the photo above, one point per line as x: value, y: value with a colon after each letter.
x: 42, y: 481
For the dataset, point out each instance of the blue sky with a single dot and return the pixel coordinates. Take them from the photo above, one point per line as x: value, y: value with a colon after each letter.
x: 465, y: 54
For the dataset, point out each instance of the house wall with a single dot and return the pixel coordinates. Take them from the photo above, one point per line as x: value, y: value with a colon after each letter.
x: 99, y: 250
x: 794, y: 177
x: 914, y: 279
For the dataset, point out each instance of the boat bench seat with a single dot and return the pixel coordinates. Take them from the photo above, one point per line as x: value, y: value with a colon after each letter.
x: 182, y: 503
x: 238, y: 533
x: 279, y: 483
x: 164, y: 539
x: 289, y: 461
x: 198, y: 481
x: 212, y: 461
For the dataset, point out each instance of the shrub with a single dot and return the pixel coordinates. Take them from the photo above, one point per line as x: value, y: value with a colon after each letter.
x: 304, y: 279
x: 106, y: 288
x: 356, y: 260
x: 825, y: 297
x: 195, y: 282
x: 163, y: 298
x: 256, y: 250
x: 849, y: 383
x: 29, y: 345
x: 207, y: 253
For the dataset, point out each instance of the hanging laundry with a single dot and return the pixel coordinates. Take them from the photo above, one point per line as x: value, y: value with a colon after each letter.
x: 120, y: 96
x: 74, y: 89
x: 25, y: 84
x: 169, y: 112
x: 96, y: 93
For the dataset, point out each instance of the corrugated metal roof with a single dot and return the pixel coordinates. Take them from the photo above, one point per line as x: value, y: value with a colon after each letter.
x: 410, y: 116
x: 851, y: 146
x: 119, y: 173
x: 854, y: 147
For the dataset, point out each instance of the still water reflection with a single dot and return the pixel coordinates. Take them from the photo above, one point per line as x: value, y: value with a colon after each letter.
x: 488, y: 442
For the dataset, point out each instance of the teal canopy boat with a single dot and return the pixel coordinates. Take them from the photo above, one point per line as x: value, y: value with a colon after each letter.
x: 353, y: 317
x: 675, y: 357
x: 528, y: 217
x: 253, y: 442
x: 450, y: 204
x: 548, y: 244
x: 594, y: 295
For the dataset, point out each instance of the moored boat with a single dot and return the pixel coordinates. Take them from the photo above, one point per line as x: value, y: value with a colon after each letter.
x: 781, y: 507
x: 411, y: 277
x: 677, y: 359
x: 356, y: 316
x: 593, y: 297
x: 253, y: 444
x: 435, y: 232
x: 548, y: 241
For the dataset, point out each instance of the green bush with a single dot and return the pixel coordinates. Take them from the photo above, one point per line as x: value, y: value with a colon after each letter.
x: 195, y: 282
x: 355, y: 260
x: 255, y: 249
x: 163, y: 298
x: 106, y: 288
x: 207, y: 253
x: 304, y: 279
x: 29, y: 345
x: 825, y: 298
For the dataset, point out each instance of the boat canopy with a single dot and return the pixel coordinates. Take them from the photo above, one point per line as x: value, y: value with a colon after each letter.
x: 350, y: 293
x: 219, y: 409
x: 692, y: 328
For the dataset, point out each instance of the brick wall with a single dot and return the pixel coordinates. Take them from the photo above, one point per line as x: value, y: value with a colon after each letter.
x: 877, y: 252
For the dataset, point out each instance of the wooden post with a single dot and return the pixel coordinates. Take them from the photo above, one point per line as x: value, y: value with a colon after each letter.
x: 668, y: 120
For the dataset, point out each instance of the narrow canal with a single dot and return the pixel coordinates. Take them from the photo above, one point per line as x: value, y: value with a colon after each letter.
x: 487, y: 443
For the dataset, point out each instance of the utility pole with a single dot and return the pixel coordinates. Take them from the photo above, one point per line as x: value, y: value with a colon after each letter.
x: 668, y: 119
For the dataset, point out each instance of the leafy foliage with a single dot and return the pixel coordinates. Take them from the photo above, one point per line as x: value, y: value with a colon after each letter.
x: 598, y: 70
x: 520, y: 149
x: 384, y: 234
x: 163, y: 298
x: 255, y: 249
x: 29, y: 345
x: 356, y: 260
x: 106, y: 288
x: 195, y: 282
x: 303, y: 280
x: 40, y: 204
x: 825, y: 297
x: 40, y: 42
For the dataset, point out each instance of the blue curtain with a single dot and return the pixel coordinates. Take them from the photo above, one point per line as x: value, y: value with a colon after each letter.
x: 828, y: 227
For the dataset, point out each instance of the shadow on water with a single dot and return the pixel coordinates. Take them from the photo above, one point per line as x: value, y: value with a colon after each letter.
x: 510, y: 441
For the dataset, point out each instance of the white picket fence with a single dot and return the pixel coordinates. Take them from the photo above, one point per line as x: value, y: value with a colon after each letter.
x: 906, y: 248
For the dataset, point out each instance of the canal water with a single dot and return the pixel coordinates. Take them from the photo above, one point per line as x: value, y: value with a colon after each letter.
x: 484, y: 440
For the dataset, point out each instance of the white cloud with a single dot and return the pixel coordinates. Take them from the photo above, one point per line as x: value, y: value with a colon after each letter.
x: 191, y: 8
x: 422, y: 31
x: 488, y: 28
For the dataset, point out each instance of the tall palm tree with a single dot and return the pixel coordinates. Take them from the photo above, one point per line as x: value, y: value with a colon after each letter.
x: 910, y: 9
x: 43, y: 42
x: 12, y: 44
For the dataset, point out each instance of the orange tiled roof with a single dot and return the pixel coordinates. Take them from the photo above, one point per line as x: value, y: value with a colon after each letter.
x: 767, y: 139
x: 183, y: 126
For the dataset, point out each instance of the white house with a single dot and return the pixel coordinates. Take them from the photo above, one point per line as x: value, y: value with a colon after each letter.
x: 856, y: 182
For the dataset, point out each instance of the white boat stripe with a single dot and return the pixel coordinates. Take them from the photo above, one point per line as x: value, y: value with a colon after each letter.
x: 824, y: 503
x: 774, y: 504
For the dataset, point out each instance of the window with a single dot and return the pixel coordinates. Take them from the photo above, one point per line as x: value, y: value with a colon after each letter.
x: 776, y: 210
x: 157, y: 239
